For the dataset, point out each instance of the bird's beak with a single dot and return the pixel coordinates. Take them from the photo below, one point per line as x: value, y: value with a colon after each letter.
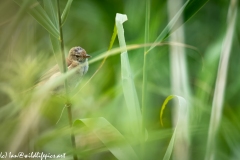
x: 87, y: 56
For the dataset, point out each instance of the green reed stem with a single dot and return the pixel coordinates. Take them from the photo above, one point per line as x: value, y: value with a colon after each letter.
x: 144, y: 86
x: 68, y: 103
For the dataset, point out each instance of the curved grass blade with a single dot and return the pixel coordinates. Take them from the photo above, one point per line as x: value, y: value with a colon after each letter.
x: 66, y: 11
x: 129, y: 89
x: 38, y: 13
x: 109, y: 136
x: 181, y: 129
x: 116, y: 51
x: 164, y: 106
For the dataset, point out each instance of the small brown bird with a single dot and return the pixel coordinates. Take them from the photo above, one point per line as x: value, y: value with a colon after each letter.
x: 77, y: 57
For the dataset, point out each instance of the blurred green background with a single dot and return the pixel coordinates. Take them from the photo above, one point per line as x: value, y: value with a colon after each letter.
x: 26, y: 53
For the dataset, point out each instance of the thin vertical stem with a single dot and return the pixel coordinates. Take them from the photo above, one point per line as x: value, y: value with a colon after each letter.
x: 72, y: 135
x: 144, y: 87
x: 62, y: 43
x: 68, y: 104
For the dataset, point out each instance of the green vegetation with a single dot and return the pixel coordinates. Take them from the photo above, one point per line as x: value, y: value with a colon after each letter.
x: 163, y: 80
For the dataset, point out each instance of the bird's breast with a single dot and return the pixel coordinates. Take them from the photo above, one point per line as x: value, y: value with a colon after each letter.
x: 83, y: 68
x: 74, y: 80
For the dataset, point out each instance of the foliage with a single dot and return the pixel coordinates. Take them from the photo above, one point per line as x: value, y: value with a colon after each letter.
x: 117, y: 104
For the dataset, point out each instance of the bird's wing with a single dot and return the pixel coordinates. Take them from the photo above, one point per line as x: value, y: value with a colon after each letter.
x: 49, y: 73
x: 45, y: 77
x: 52, y: 71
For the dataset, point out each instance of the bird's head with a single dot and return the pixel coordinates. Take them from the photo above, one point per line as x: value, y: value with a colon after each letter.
x: 78, y: 54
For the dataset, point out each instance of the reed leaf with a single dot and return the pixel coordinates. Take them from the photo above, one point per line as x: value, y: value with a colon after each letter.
x: 190, y: 7
x: 129, y: 89
x: 38, y: 13
x: 109, y: 136
x: 51, y: 9
x: 66, y: 11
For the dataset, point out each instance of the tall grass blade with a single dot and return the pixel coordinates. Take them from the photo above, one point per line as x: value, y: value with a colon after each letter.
x: 181, y: 125
x: 219, y: 91
x: 38, y: 13
x: 207, y: 78
x: 129, y: 89
x: 66, y: 11
x: 179, y: 75
x: 109, y: 136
